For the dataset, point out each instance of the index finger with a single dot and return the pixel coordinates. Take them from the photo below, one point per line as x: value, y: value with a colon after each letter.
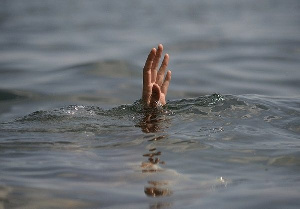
x: 147, y: 67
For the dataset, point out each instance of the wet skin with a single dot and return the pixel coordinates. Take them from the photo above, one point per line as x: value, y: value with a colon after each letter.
x: 155, y: 83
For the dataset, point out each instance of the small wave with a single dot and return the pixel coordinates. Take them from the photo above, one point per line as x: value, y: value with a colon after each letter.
x: 105, y: 68
x: 202, y: 113
x: 12, y: 95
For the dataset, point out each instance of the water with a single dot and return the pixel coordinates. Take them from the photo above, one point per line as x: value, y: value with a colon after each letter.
x: 72, y: 131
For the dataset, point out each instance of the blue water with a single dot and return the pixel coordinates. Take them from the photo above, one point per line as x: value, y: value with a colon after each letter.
x: 74, y: 135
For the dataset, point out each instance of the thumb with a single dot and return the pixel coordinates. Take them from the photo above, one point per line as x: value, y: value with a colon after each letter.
x: 155, y: 95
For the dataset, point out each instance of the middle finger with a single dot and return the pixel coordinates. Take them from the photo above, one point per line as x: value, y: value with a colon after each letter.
x: 156, y: 62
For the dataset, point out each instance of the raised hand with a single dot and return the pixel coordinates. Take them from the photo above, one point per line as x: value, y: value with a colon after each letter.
x: 155, y: 83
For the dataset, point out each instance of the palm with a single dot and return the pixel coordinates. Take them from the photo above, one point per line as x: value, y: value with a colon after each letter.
x: 155, y: 84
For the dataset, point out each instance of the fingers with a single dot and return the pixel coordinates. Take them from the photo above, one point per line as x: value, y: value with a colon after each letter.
x: 165, y: 85
x: 162, y: 70
x: 147, y: 68
x: 156, y: 62
x: 155, y: 95
x: 155, y: 83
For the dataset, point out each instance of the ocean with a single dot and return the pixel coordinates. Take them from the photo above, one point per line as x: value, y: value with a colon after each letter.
x: 73, y: 133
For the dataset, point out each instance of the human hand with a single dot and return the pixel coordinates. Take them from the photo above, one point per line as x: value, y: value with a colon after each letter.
x: 155, y: 84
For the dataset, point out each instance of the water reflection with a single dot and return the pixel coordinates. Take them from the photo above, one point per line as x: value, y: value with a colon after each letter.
x: 151, y: 123
x: 160, y: 205
x: 155, y: 188
x: 155, y: 123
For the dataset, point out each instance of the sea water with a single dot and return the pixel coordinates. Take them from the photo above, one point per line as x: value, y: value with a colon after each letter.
x: 73, y: 133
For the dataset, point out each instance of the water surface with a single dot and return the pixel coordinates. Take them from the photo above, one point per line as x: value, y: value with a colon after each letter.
x: 72, y: 131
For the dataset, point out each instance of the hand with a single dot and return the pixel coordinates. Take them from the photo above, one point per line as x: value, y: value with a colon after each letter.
x: 155, y: 84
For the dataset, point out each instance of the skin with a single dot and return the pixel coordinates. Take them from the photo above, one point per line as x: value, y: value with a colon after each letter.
x: 155, y: 83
